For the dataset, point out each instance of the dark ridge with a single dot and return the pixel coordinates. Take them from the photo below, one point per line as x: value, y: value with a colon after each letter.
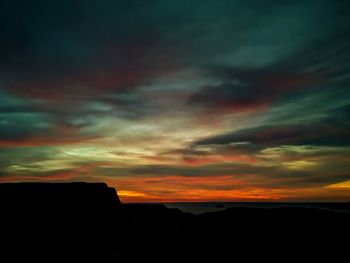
x: 87, y: 222
x: 67, y: 196
x: 57, y: 220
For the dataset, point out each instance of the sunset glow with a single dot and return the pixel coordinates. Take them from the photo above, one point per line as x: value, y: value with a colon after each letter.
x: 172, y: 101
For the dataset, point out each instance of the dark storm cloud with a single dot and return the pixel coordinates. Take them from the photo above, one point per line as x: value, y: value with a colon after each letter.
x: 18, y: 126
x: 37, y: 129
x: 65, y: 53
x: 320, y: 63
x: 62, y: 49
x: 326, y: 180
x: 315, y: 134
x: 85, y: 46
x: 300, y: 179
x: 331, y: 131
x: 245, y: 89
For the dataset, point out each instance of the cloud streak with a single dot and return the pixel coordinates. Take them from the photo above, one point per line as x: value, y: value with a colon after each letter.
x: 178, y: 100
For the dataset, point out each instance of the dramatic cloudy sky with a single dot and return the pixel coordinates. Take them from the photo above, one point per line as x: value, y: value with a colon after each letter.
x: 178, y: 100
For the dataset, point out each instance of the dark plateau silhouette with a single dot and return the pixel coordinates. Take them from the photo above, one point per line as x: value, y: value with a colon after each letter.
x: 87, y: 221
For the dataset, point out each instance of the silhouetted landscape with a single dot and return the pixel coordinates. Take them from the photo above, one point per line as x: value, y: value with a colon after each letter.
x: 169, y: 130
x: 85, y: 221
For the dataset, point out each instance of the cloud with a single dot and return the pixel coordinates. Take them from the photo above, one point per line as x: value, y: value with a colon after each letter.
x: 206, y: 170
x: 38, y: 130
x: 216, y: 153
x: 319, y: 63
x: 332, y: 131
x: 245, y: 89
x: 19, y: 126
x: 66, y: 51
x: 190, y: 99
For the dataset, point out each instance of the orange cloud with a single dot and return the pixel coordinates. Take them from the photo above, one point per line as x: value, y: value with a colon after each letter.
x: 178, y: 189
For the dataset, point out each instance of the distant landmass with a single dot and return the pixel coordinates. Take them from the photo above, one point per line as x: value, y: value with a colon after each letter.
x: 83, y: 221
x: 204, y: 207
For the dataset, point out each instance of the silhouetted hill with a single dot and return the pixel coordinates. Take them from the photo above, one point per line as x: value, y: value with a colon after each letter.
x: 49, y: 220
x: 87, y: 222
x: 235, y: 233
x: 75, y: 197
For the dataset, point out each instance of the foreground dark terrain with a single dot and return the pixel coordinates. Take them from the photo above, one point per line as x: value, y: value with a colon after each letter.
x: 87, y: 222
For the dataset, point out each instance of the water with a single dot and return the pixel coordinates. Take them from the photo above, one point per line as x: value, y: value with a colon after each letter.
x: 198, y: 208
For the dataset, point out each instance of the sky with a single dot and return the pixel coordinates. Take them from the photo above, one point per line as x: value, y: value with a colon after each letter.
x: 197, y: 100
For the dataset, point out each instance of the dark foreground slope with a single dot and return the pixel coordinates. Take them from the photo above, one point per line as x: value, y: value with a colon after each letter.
x: 87, y: 222
x: 57, y: 220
